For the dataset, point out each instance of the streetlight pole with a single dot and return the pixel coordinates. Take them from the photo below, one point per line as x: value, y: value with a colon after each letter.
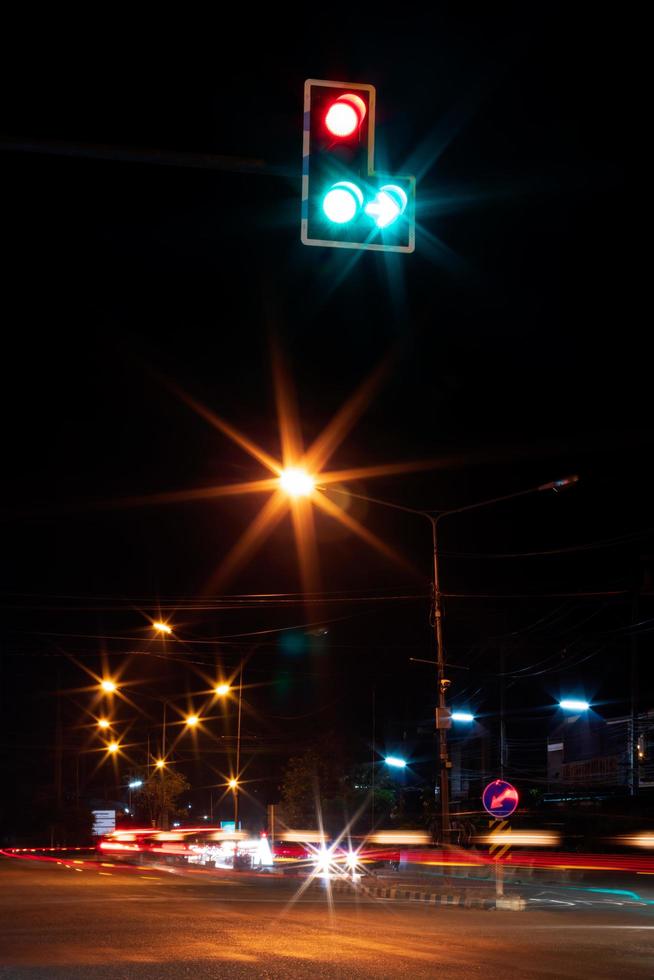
x: 443, y: 683
x: 442, y: 719
x: 162, y: 775
x: 238, y: 746
x: 163, y: 731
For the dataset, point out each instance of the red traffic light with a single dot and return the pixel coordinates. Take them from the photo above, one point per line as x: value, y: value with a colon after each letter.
x: 345, y: 115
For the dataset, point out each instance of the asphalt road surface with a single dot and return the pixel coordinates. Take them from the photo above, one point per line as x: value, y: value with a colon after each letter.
x: 64, y: 921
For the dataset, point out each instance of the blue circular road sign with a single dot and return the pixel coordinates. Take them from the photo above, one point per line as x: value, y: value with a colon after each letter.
x: 500, y: 798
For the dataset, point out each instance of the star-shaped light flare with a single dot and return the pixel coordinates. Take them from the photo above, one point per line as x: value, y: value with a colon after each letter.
x: 297, y: 482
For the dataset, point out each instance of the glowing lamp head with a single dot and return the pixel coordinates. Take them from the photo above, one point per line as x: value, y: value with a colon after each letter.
x: 113, y: 747
x: 103, y: 723
x: 108, y: 686
x: 161, y: 627
x: 233, y: 783
x: 345, y: 115
x: 395, y: 762
x: 462, y: 716
x: 323, y: 860
x: 572, y: 704
x: 352, y: 860
x: 221, y: 690
x: 160, y: 764
x: 296, y: 482
x: 342, y: 202
x: 192, y: 721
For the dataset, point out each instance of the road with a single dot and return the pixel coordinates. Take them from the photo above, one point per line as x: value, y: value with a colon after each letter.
x: 75, y: 920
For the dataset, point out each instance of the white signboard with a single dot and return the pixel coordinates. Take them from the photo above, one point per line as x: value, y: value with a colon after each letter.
x: 104, y: 822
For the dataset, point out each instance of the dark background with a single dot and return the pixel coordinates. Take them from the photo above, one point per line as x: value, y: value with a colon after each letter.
x: 519, y: 354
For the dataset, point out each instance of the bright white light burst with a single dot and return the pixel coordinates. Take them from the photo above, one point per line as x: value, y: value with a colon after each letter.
x: 296, y: 482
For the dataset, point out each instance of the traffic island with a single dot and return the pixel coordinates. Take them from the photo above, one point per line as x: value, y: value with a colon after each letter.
x: 466, y: 899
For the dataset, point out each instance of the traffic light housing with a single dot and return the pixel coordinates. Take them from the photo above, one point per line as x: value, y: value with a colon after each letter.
x: 345, y: 203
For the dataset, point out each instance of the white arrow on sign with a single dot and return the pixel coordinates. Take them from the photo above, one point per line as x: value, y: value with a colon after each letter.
x: 389, y: 203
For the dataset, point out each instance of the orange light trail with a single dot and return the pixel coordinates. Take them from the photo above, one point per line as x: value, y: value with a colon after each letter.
x: 287, y: 411
x: 305, y: 541
x: 229, y: 430
x: 385, y: 469
x: 261, y: 527
x: 353, y: 525
x: 199, y: 493
x: 335, y: 432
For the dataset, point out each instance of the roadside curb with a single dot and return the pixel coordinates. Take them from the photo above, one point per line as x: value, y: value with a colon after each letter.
x: 401, y: 893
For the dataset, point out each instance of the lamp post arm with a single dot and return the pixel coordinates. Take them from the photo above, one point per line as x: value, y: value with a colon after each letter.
x: 375, y: 500
x: 437, y: 515
x: 554, y: 485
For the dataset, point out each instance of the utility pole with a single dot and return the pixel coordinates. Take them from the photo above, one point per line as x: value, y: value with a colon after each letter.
x: 632, y: 741
x: 59, y: 751
x: 502, y: 721
x: 374, y: 760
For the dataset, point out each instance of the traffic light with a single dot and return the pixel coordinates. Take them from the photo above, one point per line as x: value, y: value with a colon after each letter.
x: 345, y: 204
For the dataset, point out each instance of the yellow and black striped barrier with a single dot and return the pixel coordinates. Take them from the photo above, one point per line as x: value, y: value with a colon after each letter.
x: 498, y: 848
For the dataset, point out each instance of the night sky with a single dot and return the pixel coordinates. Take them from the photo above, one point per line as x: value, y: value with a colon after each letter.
x: 516, y: 356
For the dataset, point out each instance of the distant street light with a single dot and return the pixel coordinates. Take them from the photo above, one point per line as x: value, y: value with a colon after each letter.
x: 221, y: 690
x: 462, y: 716
x: 113, y: 747
x: 570, y: 704
x: 161, y: 627
x: 160, y: 764
x: 103, y: 723
x: 135, y: 783
x: 192, y: 721
x: 392, y: 760
x: 296, y: 482
x: 233, y: 783
x: 108, y: 685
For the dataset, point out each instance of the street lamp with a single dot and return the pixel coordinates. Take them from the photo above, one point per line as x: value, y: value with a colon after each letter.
x: 103, y: 723
x: 160, y: 764
x: 135, y: 784
x: 113, y: 747
x: 395, y: 762
x: 191, y: 721
x: 162, y: 627
x: 221, y: 690
x: 462, y: 716
x: 443, y: 718
x: 107, y: 685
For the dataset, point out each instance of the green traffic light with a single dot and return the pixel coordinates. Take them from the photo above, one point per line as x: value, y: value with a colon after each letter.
x: 342, y: 202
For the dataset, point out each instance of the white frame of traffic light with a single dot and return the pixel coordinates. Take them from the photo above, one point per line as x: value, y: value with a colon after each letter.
x: 306, y: 142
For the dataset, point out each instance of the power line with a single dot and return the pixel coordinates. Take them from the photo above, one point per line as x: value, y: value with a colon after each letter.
x: 160, y: 158
x: 622, y: 593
